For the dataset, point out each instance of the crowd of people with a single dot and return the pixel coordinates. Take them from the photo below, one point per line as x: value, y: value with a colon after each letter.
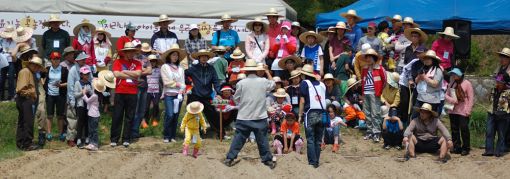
x: 386, y: 82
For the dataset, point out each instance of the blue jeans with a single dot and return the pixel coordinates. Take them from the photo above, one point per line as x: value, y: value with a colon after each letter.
x: 141, y: 97
x: 314, y: 135
x: 93, y: 134
x: 243, y: 129
x: 499, y: 125
x: 170, y: 123
x: 7, y: 74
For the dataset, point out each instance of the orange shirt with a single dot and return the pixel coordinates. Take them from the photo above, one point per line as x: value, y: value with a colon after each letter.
x: 294, y: 128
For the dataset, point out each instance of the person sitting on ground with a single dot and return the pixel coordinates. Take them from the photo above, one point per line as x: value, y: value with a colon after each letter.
x: 192, y: 121
x: 334, y: 128
x: 229, y: 110
x: 289, y: 139
x: 421, y: 134
x: 392, y: 130
x: 352, y: 107
x: 277, y: 109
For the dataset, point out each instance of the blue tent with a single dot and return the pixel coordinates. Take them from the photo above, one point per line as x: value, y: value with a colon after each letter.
x: 486, y: 16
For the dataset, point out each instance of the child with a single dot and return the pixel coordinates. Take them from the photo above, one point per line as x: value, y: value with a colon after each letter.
x: 393, y: 130
x: 334, y: 128
x: 192, y: 121
x: 353, y: 114
x: 289, y: 138
x: 81, y: 106
x: 313, y: 50
x: 234, y: 68
x: 229, y: 110
x: 293, y: 90
x: 92, y: 100
x: 219, y: 63
x: 277, y: 108
x: 288, y: 64
x: 153, y: 90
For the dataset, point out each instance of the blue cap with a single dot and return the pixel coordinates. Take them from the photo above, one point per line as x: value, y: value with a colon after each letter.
x: 456, y: 71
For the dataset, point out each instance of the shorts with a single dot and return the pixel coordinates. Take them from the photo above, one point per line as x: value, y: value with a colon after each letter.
x: 53, y: 102
x: 280, y: 138
x: 427, y: 146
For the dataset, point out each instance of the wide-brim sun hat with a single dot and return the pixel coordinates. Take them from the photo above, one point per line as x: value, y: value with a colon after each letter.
x: 409, y: 31
x: 318, y: 38
x: 146, y: 47
x: 23, y: 34
x: 351, y: 13
x: 294, y: 74
x: 195, y: 107
x: 308, y: 71
x: 153, y: 57
x: 329, y: 76
x: 174, y: 48
x: 237, y: 54
x: 340, y: 25
x: 395, y: 18
x: 273, y: 12
x: 84, y: 23
x: 265, y: 26
x: 428, y: 108
x: 26, y: 49
x: 8, y: 32
x: 102, y: 30
x: 297, y: 24
x: 36, y: 61
x: 224, y: 18
x: 505, y: 52
x: 202, y: 52
x: 294, y: 58
x: 163, y: 18
x: 450, y: 32
x: 408, y: 20
x: 251, y: 65
x: 351, y: 82
x: 392, y: 79
x: 326, y: 33
x: 370, y: 52
x: 280, y: 93
x: 53, y: 18
x: 430, y: 54
x: 129, y: 46
x: 107, y: 77
x: 98, y: 85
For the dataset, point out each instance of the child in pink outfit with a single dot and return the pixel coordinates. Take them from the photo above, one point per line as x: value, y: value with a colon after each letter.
x: 288, y: 140
x: 92, y: 100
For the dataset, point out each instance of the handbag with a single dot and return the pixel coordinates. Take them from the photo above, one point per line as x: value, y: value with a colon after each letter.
x: 326, y: 121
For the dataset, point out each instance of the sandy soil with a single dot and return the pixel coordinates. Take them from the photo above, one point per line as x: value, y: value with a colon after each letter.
x: 150, y: 158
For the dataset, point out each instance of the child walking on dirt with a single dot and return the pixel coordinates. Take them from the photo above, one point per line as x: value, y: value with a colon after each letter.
x: 92, y: 100
x: 191, y: 123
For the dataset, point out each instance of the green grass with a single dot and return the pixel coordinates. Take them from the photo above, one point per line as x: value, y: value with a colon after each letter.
x: 8, y: 122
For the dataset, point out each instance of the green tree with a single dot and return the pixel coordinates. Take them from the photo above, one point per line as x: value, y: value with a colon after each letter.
x: 307, y: 9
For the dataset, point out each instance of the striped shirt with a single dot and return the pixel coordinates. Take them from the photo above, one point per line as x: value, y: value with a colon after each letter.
x: 369, y: 83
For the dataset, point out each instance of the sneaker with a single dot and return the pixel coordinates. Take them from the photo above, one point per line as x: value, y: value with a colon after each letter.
x: 375, y: 138
x: 387, y: 147
x: 154, y: 123
x: 78, y: 142
x: 228, y: 162
x: 81, y: 146
x: 62, y: 137
x: 398, y: 147
x: 226, y: 137
x: 87, y: 140
x: 367, y: 136
x: 166, y: 141
x: 144, y: 124
x: 113, y: 144
x: 173, y: 140
x: 89, y: 147
x: 464, y: 153
x: 125, y: 144
x: 270, y: 164
x: 49, y: 136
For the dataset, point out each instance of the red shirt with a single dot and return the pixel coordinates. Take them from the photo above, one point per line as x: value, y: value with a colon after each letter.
x: 126, y: 86
x: 88, y: 49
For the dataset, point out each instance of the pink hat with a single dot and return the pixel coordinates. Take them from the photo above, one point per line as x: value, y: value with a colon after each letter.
x: 372, y: 24
x: 286, y: 24
x: 84, y: 70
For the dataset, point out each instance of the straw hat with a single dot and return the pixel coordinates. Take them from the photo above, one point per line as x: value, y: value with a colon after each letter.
x: 69, y: 49
x: 280, y: 93
x: 294, y: 58
x: 129, y: 46
x: 408, y: 20
x: 273, y: 12
x: 8, y: 32
x: 195, y: 107
x: 277, y: 79
x: 395, y: 18
x: 37, y: 61
x: 370, y: 52
x: 297, y: 24
x: 251, y: 65
x: 98, y: 85
x: 351, y: 82
x: 84, y: 22
x: 448, y: 31
x: 174, y: 48
x: 426, y: 107
x: 326, y: 33
x: 303, y: 36
x: 237, y: 54
x: 23, y: 34
x: 431, y: 54
x: 329, y: 76
x: 392, y: 79
x: 340, y: 25
x: 505, y: 52
x: 249, y: 25
x: 163, y: 18
x: 294, y: 74
x: 152, y: 57
x: 351, y: 13
x: 224, y: 18
x: 102, y: 30
x: 53, y: 18
x: 220, y: 48
x: 409, y: 31
x: 146, y: 47
x: 26, y: 49
x: 308, y: 71
x: 107, y: 77
x: 202, y: 52
x: 241, y: 76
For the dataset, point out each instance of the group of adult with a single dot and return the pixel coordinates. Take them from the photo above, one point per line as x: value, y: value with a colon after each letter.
x: 393, y: 66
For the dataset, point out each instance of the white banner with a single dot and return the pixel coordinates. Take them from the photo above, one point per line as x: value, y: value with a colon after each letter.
x: 116, y: 25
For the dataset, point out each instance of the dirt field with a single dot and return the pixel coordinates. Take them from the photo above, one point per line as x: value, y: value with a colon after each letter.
x: 150, y: 158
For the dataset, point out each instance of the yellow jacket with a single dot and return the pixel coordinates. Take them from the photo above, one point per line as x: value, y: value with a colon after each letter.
x: 192, y: 123
x: 390, y: 95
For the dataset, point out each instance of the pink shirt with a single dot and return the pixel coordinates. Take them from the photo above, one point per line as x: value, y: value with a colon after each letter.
x: 92, y: 105
x: 444, y: 50
x: 462, y: 108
